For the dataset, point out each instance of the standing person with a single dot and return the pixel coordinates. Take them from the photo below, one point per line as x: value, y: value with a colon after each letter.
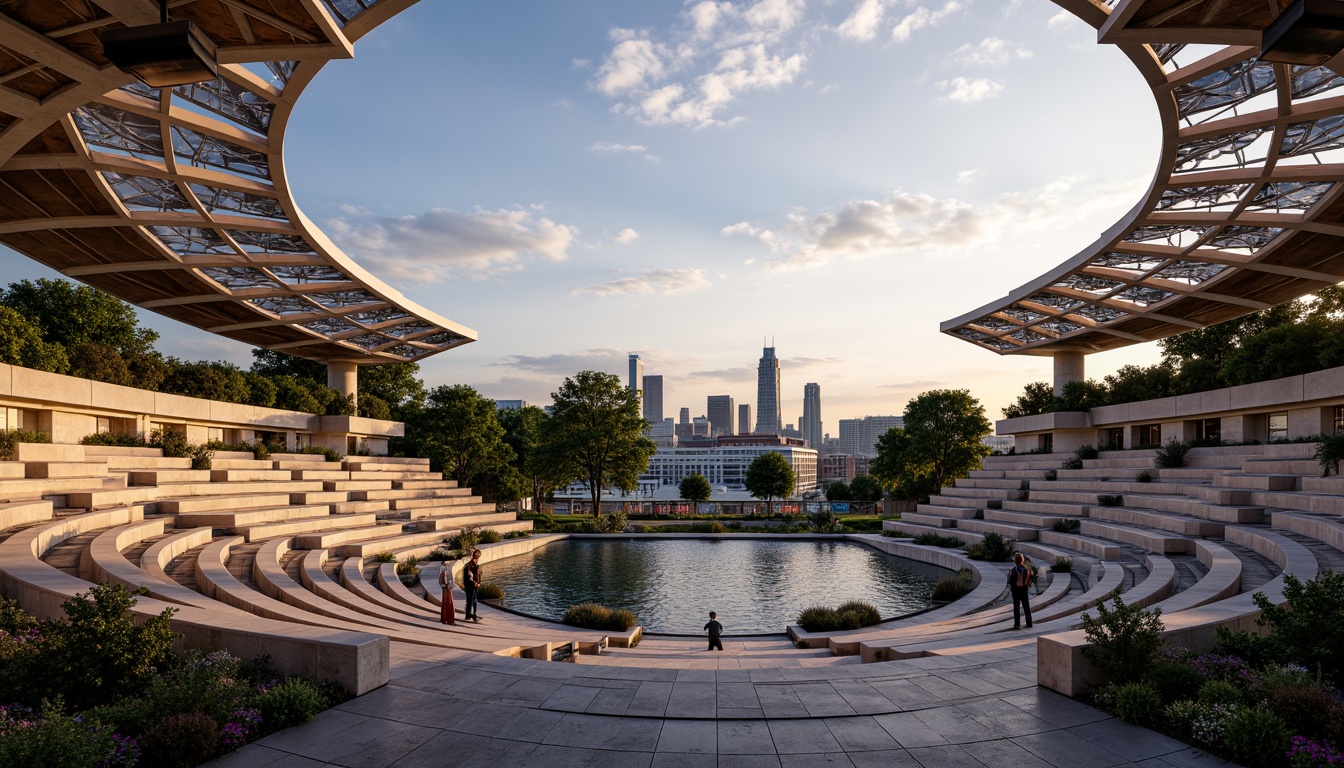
x: 471, y: 581
x: 715, y: 632
x: 446, y: 605
x: 1019, y: 581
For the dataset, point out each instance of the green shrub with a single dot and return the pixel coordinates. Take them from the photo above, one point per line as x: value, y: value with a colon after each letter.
x: 1175, y: 681
x: 490, y: 591
x: 115, y: 439
x: 935, y: 540
x: 330, y: 454
x: 997, y: 549
x: 710, y: 527
x: 1304, y: 708
x: 1256, y: 738
x: 11, y: 437
x: 1219, y: 693
x: 1171, y: 455
x: 407, y: 565
x: 825, y: 521
x: 466, y: 539
x: 202, y: 457
x: 1179, y: 717
x: 1255, y: 649
x: 621, y: 620
x: 854, y: 614
x: 173, y: 444
x: 1083, y: 453
x: 953, y: 587
x: 489, y: 536
x: 1138, y: 703
x: 212, y: 684
x: 866, y: 613
x: 53, y: 738
x: 440, y: 554
x: 180, y: 741
x: 292, y: 702
x: 1308, y: 629
x: 1068, y: 525
x: 1124, y: 640
x: 819, y: 618
x: 594, y: 616
x: 1329, y: 453
x: 1062, y: 565
x: 1144, y: 476
x: 1110, y: 500
x: 385, y: 557
x: 517, y: 534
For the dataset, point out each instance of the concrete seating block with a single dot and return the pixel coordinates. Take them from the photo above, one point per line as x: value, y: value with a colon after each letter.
x: 42, y: 470
x: 48, y: 452
x: 930, y: 520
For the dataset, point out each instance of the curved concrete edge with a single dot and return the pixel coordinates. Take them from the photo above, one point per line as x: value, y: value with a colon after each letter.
x: 107, y: 564
x: 1222, y: 581
x: 156, y: 558
x: 1061, y: 665
x: 1112, y: 579
x: 1158, y: 585
x: 358, y: 661
x: 390, y: 583
x: 352, y: 578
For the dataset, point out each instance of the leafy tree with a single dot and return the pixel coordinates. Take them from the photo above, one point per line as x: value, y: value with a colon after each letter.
x: 295, y: 394
x: 1081, y: 396
x: 374, y: 407
x: 261, y: 390
x: 1207, y: 349
x: 397, y: 384
x: 838, y: 491
x: 523, y: 432
x: 865, y: 488
x: 460, y: 433
x: 1036, y: 398
x: 596, y: 434
x: 1308, y: 629
x: 268, y: 362
x: 695, y: 488
x: 99, y: 362
x: 148, y: 369
x: 21, y: 344
x: 1133, y: 383
x: 213, y: 381
x: 768, y: 476
x: 941, y: 441
x: 1285, y: 350
x: 70, y: 315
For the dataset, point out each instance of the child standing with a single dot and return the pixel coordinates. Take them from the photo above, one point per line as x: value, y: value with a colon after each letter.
x: 715, y: 632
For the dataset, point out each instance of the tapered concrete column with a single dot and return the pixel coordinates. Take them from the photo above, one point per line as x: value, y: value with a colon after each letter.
x: 344, y: 378
x: 1068, y: 367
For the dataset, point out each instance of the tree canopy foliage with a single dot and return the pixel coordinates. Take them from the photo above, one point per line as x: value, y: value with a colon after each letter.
x: 595, y: 435
x: 941, y: 441
x: 1296, y: 337
x: 770, y: 476
x: 695, y: 487
x: 523, y: 429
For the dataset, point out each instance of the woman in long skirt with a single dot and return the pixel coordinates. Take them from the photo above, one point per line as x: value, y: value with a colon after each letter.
x: 446, y: 606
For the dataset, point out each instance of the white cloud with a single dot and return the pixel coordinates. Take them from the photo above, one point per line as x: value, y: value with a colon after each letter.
x: 920, y: 18
x: 443, y: 243
x: 665, y: 281
x: 606, y: 148
x: 921, y: 224
x: 969, y: 175
x: 630, y: 66
x: 625, y: 236
x: 1061, y: 20
x: 862, y: 24
x: 991, y: 52
x: 967, y: 90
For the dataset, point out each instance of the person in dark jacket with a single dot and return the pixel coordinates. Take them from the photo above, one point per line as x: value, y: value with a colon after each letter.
x: 1019, y: 581
x: 471, y: 581
x: 715, y: 630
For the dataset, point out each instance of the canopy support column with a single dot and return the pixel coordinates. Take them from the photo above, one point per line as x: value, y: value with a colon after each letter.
x: 1068, y: 367
x: 343, y: 377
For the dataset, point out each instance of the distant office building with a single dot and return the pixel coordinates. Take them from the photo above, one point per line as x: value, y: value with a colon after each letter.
x: 860, y: 436
x: 510, y: 405
x: 837, y: 467
x: 851, y: 435
x: 810, y: 424
x: 684, y: 416
x: 664, y: 433
x: 720, y: 412
x: 653, y: 399
x: 790, y: 431
x: 769, y: 417
x: 701, y: 427
x: 636, y: 375
x: 744, y: 419
x: 724, y: 462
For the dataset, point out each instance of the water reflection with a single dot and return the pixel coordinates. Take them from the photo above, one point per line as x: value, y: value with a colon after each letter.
x: 756, y: 586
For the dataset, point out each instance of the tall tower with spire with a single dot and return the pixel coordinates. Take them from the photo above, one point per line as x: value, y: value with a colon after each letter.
x: 811, y: 421
x: 769, y: 420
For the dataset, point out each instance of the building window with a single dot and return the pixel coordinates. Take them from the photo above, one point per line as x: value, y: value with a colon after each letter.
x: 1209, y: 430
x: 1148, y: 435
x: 1339, y: 419
x: 103, y: 426
x: 214, y: 434
x: 1278, y: 427
x: 1113, y: 439
x: 1045, y: 443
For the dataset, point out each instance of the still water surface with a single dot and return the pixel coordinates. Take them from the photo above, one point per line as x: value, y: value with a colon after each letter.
x: 756, y: 586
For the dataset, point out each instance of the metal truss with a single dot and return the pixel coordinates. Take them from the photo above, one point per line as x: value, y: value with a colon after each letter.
x: 175, y: 199
x: 1244, y: 211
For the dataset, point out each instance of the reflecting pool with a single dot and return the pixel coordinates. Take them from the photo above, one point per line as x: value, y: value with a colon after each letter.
x: 757, y: 586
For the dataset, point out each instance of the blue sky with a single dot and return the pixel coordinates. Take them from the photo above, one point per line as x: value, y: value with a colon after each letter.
x: 581, y: 180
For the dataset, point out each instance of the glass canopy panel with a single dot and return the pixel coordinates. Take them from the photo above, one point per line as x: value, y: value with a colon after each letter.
x: 240, y: 278
x: 1191, y: 272
x: 448, y: 337
x: 192, y: 241
x: 1310, y: 81
x: 1143, y: 296
x: 331, y: 326
x: 269, y: 242
x: 376, y: 316
x: 345, y: 10
x: 1028, y: 336
x: 1101, y: 314
x: 341, y: 299
x: 1226, y: 87
x: 1249, y: 238
x: 1054, y: 300
x: 1315, y: 136
x: 994, y: 323
x: 407, y: 351
x: 1201, y: 197
x: 996, y: 344
x: 230, y: 101
x: 1089, y: 284
x: 205, y: 151
x: 283, y: 305
x: 408, y: 329
x: 137, y: 88
x: 120, y: 130
x: 142, y: 193
x: 367, y: 341
x: 283, y: 70
x: 1300, y: 195
x: 1164, y: 51
x: 1131, y: 262
x: 1199, y: 153
x: 965, y: 333
x: 309, y: 275
x: 1174, y: 234
x: 1060, y: 327
x: 1022, y: 314
x: 216, y: 199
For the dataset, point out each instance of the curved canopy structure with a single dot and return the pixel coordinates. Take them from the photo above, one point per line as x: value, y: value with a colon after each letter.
x: 176, y: 199
x: 1245, y: 209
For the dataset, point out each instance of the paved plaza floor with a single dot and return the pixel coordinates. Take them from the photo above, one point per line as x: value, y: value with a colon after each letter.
x: 446, y: 708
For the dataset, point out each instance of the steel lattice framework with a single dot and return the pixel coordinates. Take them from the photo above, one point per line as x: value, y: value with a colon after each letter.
x: 176, y: 199
x: 1245, y: 209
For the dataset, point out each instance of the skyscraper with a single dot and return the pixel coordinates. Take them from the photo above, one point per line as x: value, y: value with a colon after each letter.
x: 653, y: 399
x: 720, y: 411
x: 810, y: 424
x: 684, y: 417
x: 636, y: 373
x: 744, y: 419
x: 768, y: 416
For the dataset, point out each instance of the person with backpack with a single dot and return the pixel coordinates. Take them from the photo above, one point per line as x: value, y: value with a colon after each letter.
x: 1020, y: 577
